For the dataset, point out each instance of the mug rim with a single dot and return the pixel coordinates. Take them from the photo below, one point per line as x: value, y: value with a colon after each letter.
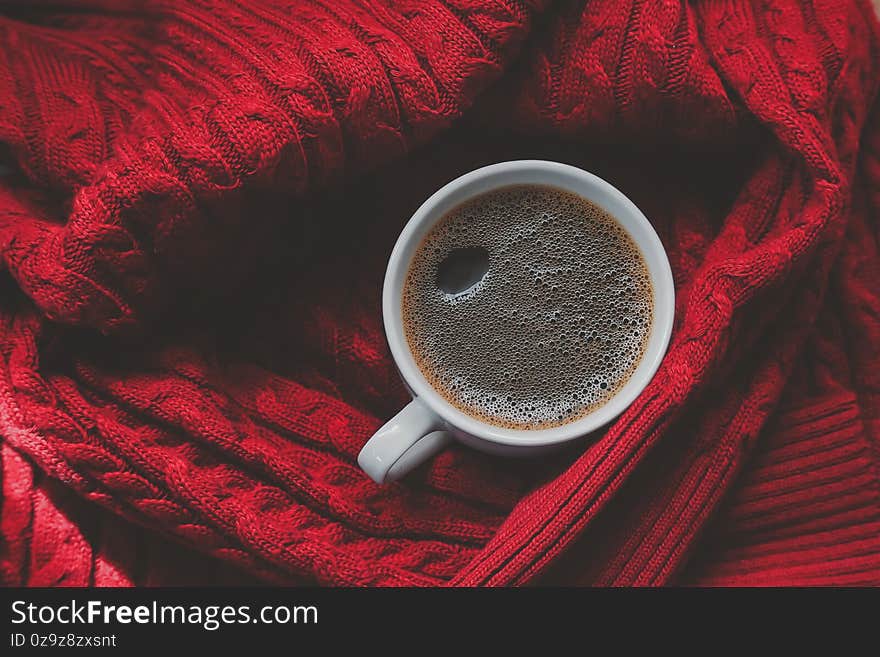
x: 426, y: 216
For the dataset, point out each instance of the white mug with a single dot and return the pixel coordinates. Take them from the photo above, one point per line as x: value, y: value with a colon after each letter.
x: 428, y: 423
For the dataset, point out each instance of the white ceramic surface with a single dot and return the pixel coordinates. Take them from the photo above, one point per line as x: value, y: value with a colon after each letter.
x: 429, y: 422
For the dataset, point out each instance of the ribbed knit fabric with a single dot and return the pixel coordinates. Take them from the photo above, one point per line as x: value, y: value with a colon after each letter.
x: 201, y: 203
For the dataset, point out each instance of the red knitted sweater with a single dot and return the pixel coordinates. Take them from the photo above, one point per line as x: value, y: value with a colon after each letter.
x: 199, y: 202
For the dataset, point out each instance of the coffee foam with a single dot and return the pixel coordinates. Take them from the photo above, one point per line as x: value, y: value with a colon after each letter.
x: 557, y: 324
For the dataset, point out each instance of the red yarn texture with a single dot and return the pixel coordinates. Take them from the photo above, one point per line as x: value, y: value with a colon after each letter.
x: 198, y: 208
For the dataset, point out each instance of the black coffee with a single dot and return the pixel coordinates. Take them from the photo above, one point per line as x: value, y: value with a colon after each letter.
x: 527, y: 307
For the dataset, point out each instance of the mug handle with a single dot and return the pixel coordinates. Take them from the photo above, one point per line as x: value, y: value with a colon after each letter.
x: 407, y: 440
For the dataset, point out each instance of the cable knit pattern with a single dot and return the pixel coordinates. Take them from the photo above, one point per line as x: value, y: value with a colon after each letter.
x: 202, y: 200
